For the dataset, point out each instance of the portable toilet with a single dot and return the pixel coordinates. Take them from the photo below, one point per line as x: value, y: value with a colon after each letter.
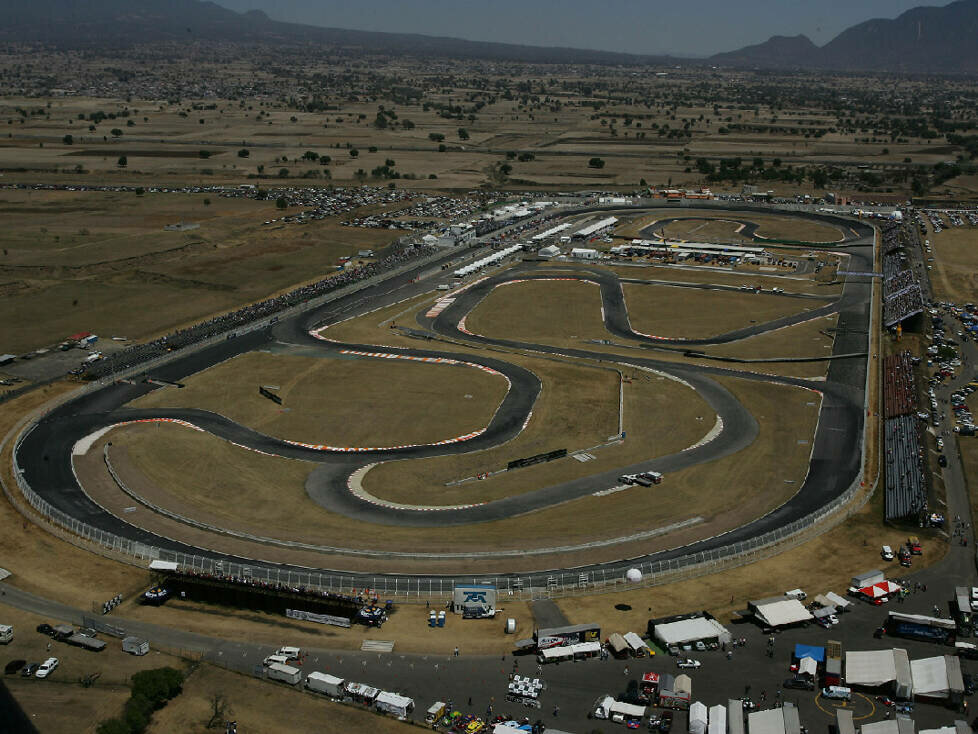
x: 432, y: 618
x: 441, y: 618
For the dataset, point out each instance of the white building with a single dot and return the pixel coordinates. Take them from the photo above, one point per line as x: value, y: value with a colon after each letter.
x: 584, y: 253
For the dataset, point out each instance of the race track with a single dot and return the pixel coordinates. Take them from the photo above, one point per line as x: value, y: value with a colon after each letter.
x: 44, y: 454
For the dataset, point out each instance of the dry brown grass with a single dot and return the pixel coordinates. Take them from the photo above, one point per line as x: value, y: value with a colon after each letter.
x: 720, y: 226
x: 648, y: 399
x: 955, y: 271
x: 40, y: 562
x: 561, y: 313
x: 224, y: 474
x: 60, y: 703
x: 693, y: 314
x: 263, y: 707
x: 327, y: 400
x: 101, y: 261
x: 855, y: 547
x: 407, y: 627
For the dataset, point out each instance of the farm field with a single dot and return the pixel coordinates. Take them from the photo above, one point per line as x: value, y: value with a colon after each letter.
x: 102, y: 261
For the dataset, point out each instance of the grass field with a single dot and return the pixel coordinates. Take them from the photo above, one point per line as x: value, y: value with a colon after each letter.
x: 692, y: 314
x: 38, y: 561
x: 955, y: 271
x: 102, y: 262
x: 855, y: 545
x: 224, y: 474
x: 556, y: 312
x: 342, y: 402
x: 60, y: 703
x: 261, y: 707
x: 648, y: 399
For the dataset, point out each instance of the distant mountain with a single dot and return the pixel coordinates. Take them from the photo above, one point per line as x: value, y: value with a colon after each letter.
x: 94, y: 23
x: 921, y: 40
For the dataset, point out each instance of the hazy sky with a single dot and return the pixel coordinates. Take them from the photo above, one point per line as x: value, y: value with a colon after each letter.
x: 693, y: 27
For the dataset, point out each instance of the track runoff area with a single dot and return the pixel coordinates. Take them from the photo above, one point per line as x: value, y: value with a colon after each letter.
x: 492, y: 523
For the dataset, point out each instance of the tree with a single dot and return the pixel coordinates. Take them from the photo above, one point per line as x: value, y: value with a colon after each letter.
x: 435, y: 137
x: 463, y: 134
x: 283, y: 173
x: 68, y: 140
x: 220, y: 710
x: 354, y: 152
x: 205, y: 154
x: 281, y: 203
x: 820, y: 178
x: 310, y: 155
x: 380, y: 122
x: 116, y: 132
x: 122, y: 162
x: 595, y: 163
x: 243, y: 153
x: 407, y: 125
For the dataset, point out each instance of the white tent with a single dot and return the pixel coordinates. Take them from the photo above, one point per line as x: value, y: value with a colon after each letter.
x: 840, y: 602
x: 718, y: 719
x: 843, y: 721
x: 769, y: 721
x: 938, y: 677
x: 393, y: 703
x: 874, y: 668
x: 807, y: 666
x: 735, y: 716
x: 691, y: 630
x: 698, y: 717
x: 780, y: 612
x: 549, y: 251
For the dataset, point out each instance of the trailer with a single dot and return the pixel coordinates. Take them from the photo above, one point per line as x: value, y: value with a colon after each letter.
x: 284, y: 673
x: 617, y: 645
x: 135, y: 645
x: 6, y: 634
x: 86, y: 643
x: 394, y: 704
x: 435, y: 712
x: 325, y: 683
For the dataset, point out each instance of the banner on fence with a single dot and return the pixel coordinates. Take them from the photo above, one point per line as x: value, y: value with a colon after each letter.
x: 538, y: 459
x: 319, y: 618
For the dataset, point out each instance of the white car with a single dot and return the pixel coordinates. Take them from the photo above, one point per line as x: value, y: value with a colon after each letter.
x: 688, y: 663
x: 833, y: 619
x: 47, y: 667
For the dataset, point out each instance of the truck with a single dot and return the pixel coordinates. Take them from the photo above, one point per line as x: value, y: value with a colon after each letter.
x: 394, y: 704
x: 135, y: 645
x: 6, y: 634
x: 325, y: 683
x: 284, y: 673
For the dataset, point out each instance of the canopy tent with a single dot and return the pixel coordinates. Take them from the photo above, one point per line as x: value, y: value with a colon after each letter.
x: 938, y: 677
x: 880, y: 589
x: 698, y: 717
x: 718, y: 719
x: 824, y: 612
x: 876, y: 668
x: 735, y: 716
x: 843, y: 721
x: 770, y: 721
x: 810, y: 651
x: 839, y: 602
x: 691, y: 630
x: 807, y: 666
x: 781, y: 612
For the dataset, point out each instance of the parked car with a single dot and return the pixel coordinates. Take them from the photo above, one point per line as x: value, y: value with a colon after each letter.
x: 28, y: 670
x: 46, y: 668
x: 666, y: 724
x: 688, y: 663
x: 799, y: 683
x: 45, y: 629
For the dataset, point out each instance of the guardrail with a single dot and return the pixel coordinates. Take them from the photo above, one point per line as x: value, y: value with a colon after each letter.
x: 547, y: 584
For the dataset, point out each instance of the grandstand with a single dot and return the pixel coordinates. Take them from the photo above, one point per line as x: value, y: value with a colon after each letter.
x: 906, y: 488
x: 902, y: 296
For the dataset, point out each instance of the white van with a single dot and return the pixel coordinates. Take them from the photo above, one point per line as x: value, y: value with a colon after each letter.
x: 840, y: 693
x: 887, y: 553
x: 796, y: 594
x: 6, y: 634
x: 291, y: 653
x: 275, y: 660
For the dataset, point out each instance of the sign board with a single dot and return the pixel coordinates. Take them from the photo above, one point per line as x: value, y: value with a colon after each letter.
x: 270, y: 395
x: 476, y: 597
x: 318, y: 618
x: 537, y: 459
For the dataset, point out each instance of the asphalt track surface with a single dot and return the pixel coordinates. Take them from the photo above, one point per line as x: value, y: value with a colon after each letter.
x: 44, y: 454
